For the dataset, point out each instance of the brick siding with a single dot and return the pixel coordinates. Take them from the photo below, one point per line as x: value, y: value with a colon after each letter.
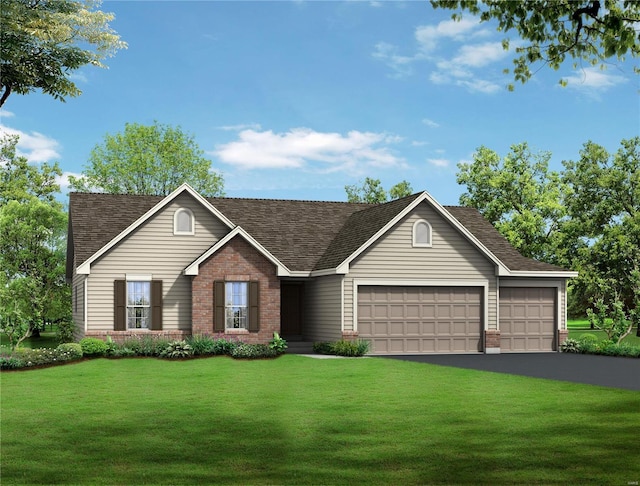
x: 237, y: 261
x: 491, y: 338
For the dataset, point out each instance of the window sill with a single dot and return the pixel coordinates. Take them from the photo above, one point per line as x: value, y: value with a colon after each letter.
x: 236, y: 331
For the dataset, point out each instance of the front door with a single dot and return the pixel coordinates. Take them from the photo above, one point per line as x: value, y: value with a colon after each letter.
x: 291, y: 308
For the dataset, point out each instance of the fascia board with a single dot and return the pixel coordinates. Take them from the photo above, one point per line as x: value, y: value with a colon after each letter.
x: 543, y: 274
x: 85, y: 267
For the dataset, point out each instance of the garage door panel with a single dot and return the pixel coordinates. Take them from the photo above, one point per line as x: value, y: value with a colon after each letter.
x: 428, y: 320
x: 527, y: 319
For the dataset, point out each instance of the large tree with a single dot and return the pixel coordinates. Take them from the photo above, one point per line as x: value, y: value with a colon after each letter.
x: 588, y: 31
x: 148, y: 159
x: 42, y: 42
x: 521, y: 197
x: 371, y: 191
x: 33, y: 229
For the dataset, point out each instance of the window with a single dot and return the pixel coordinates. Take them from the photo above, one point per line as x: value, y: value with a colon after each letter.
x: 183, y: 222
x: 421, y: 233
x: 138, y: 305
x: 236, y: 305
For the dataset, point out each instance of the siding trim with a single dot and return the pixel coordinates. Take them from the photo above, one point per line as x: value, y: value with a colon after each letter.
x: 393, y: 282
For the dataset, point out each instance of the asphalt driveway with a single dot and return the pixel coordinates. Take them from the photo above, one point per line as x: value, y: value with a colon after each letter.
x: 607, y: 371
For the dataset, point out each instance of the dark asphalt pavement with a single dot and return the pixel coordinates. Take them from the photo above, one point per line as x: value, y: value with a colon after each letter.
x: 607, y: 371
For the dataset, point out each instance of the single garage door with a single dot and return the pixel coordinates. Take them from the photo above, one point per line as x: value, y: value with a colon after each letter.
x: 399, y: 320
x: 527, y: 319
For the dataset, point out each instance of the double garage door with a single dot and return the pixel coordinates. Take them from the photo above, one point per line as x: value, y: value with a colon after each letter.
x: 406, y: 320
x: 412, y: 320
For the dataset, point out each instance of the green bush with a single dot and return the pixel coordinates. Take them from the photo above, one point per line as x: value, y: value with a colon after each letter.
x: 177, y: 349
x: 252, y: 351
x: 277, y: 343
x: 224, y: 346
x: 588, y: 338
x: 74, y: 350
x: 570, y: 346
x: 10, y: 363
x: 202, y: 344
x: 93, y: 346
x: 343, y: 348
x: 44, y: 356
x: 65, y: 331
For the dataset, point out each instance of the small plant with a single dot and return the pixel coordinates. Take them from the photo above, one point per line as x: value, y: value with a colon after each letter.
x: 253, y: 351
x: 343, y: 348
x: 224, y: 346
x: 277, y: 343
x: 570, y: 346
x: 202, y: 345
x: 93, y: 346
x: 323, y: 348
x: 10, y: 363
x: 177, y: 349
x: 74, y: 350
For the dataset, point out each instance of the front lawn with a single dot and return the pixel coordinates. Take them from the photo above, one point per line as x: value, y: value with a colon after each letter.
x: 579, y: 327
x: 296, y: 420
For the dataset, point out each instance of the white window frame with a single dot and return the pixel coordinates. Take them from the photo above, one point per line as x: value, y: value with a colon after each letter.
x: 232, y: 306
x: 176, y: 215
x: 145, y: 307
x: 418, y: 244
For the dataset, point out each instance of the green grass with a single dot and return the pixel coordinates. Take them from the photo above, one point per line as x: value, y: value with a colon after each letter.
x: 47, y: 339
x: 296, y: 420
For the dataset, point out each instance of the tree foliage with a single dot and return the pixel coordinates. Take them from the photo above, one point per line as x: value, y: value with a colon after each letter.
x: 372, y: 192
x: 33, y: 229
x: 148, y: 159
x: 586, y: 217
x: 42, y: 42
x: 586, y: 31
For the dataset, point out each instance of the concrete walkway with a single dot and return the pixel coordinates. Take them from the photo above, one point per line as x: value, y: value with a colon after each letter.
x: 606, y: 371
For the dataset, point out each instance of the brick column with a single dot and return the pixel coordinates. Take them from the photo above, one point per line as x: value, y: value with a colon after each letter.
x: 563, y: 334
x: 349, y: 335
x: 492, y: 341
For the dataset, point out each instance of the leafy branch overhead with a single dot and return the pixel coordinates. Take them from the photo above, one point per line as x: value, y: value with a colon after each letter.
x: 42, y: 42
x: 590, y: 31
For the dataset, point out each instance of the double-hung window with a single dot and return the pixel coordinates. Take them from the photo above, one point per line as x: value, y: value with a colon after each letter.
x: 236, y: 300
x: 138, y: 305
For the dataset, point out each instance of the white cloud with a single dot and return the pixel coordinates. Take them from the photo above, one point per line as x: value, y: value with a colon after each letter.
x: 242, y: 126
x: 428, y: 36
x: 388, y: 53
x: 479, y: 86
x: 63, y: 180
x: 430, y: 123
x: 5, y: 114
x: 480, y: 55
x: 35, y: 146
x: 592, y: 80
x: 299, y: 147
x: 78, y: 77
x: 439, y: 162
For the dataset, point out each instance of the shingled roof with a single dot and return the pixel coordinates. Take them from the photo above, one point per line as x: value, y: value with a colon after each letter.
x: 303, y: 235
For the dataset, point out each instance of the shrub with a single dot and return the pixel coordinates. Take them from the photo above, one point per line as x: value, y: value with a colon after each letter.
x: 177, y: 349
x: 588, y: 338
x: 74, y: 350
x: 202, y: 345
x: 224, y: 346
x: 252, y: 351
x: 277, y: 343
x: 570, y: 346
x: 65, y: 330
x: 10, y: 363
x: 93, y: 346
x: 44, y: 356
x: 343, y: 348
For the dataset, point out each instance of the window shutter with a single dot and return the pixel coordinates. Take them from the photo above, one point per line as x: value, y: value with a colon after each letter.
x: 120, y: 305
x: 218, y: 304
x: 156, y: 305
x: 254, y: 300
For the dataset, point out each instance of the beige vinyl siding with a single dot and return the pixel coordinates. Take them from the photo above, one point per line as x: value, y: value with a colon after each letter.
x: 322, y: 309
x: 450, y: 258
x: 154, y: 250
x: 78, y: 304
x: 559, y: 283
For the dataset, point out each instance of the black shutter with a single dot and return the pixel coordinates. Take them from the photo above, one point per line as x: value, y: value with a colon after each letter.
x: 156, y: 305
x: 119, y: 305
x: 218, y: 304
x: 254, y: 306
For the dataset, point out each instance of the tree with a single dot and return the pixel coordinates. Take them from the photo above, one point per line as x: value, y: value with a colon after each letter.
x: 583, y: 30
x: 521, y: 198
x: 32, y: 245
x: 43, y: 41
x: 152, y: 160
x: 372, y: 192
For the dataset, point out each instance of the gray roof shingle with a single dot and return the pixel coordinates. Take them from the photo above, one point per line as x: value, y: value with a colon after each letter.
x: 303, y: 235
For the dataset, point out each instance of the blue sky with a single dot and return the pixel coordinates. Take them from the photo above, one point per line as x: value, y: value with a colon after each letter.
x: 295, y: 100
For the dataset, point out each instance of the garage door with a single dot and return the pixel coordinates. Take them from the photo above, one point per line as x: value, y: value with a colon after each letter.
x: 527, y: 319
x: 399, y: 320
